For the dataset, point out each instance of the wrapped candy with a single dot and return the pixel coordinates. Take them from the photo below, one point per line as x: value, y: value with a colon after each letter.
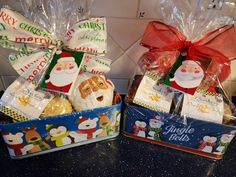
x: 22, y: 101
x: 154, y: 95
x: 59, y: 105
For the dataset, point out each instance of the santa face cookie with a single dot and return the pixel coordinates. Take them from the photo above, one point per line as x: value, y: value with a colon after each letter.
x: 91, y: 91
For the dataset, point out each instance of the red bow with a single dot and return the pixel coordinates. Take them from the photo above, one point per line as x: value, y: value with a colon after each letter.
x: 218, y: 46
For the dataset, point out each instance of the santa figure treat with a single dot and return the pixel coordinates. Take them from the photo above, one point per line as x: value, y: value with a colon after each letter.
x: 62, y: 72
x: 187, y: 77
x: 91, y: 91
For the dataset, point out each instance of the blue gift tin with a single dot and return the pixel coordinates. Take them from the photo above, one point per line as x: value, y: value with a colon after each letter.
x: 187, y: 134
x: 40, y: 136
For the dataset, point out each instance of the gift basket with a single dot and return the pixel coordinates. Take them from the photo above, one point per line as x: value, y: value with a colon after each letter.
x: 176, y: 98
x: 62, y: 98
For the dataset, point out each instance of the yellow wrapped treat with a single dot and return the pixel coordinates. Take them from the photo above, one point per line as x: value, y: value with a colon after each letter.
x: 57, y: 106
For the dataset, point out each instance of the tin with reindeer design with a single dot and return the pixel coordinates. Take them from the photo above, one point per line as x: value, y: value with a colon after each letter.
x: 40, y: 136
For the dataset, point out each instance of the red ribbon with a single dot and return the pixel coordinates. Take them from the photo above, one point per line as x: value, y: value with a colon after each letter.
x: 218, y: 46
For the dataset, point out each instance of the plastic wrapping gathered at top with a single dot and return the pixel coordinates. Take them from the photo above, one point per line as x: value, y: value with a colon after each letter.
x: 50, y: 19
x: 192, y: 24
x: 195, y: 19
x: 56, y: 16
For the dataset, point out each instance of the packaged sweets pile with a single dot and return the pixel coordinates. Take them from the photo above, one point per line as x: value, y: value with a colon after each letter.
x: 59, y: 54
x: 181, y: 75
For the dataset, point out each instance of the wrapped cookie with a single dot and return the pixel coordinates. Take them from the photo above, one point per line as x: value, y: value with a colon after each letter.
x: 22, y: 101
x: 153, y: 95
x: 59, y: 105
x: 91, y: 91
x: 204, y: 107
x: 133, y: 89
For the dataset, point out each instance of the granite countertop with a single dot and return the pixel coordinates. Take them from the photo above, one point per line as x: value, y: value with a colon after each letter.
x: 119, y: 157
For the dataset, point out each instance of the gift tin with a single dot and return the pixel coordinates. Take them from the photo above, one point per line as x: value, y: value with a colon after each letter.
x: 40, y: 136
x: 190, y: 135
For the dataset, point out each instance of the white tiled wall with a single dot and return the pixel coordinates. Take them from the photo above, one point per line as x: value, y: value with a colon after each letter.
x: 126, y: 22
x: 115, y: 8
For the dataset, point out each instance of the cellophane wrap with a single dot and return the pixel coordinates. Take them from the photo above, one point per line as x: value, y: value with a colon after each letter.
x: 49, y: 37
x: 45, y: 27
x: 196, y: 37
x: 196, y: 18
x: 56, y: 16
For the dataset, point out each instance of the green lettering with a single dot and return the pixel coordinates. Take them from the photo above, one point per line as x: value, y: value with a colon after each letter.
x: 38, y: 32
x: 2, y: 27
x: 31, y: 29
x: 103, y: 26
x: 3, y: 38
x: 84, y: 67
x: 22, y: 26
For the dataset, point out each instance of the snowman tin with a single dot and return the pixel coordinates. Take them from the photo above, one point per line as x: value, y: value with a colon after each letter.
x: 199, y: 137
x: 40, y: 136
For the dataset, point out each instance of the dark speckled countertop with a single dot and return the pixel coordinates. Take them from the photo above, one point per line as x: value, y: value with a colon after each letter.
x: 119, y: 157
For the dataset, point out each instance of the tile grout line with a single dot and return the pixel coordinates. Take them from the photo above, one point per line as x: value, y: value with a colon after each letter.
x: 123, y: 51
x: 1, y: 79
x: 137, y: 12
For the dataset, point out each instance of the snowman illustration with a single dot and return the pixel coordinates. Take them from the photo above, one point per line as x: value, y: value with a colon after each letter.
x: 207, y: 144
x: 155, y: 128
x: 224, y: 142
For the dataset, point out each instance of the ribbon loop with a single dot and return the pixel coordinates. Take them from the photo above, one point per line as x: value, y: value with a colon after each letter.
x: 36, y: 46
x: 219, y: 46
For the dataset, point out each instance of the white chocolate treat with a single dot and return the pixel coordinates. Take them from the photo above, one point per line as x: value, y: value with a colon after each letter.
x: 91, y: 91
